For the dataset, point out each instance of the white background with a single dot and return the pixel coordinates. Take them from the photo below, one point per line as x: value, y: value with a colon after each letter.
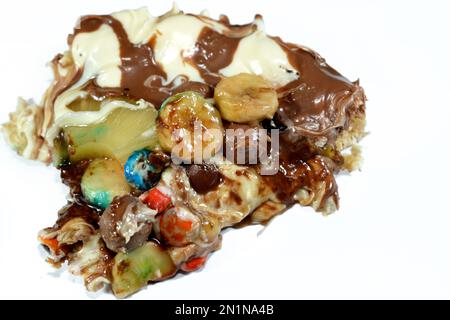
x: 391, y: 236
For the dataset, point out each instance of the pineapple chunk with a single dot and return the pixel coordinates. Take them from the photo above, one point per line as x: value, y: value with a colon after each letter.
x: 122, y: 132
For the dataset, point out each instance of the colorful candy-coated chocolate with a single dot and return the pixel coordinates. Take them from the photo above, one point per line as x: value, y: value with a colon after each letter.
x: 140, y: 172
x: 102, y: 181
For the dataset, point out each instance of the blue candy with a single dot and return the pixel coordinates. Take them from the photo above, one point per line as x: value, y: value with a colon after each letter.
x: 139, y: 171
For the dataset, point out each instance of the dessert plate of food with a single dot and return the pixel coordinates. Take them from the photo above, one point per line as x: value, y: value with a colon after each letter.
x: 169, y: 129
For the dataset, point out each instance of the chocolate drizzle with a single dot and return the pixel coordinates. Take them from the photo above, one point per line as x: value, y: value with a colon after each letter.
x: 312, y: 104
x: 213, y: 51
x: 142, y: 77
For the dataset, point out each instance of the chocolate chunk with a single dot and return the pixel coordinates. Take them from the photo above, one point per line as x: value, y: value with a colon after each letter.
x: 113, y: 218
x: 203, y: 177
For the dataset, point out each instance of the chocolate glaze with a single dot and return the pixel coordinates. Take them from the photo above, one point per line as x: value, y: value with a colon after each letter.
x: 317, y: 101
x: 203, y: 177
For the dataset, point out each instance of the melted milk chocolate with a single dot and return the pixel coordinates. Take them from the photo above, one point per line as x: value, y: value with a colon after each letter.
x: 213, y: 51
x: 143, y: 78
x: 317, y: 101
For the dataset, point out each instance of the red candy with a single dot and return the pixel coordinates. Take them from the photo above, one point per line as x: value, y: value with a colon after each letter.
x: 156, y: 200
x: 194, y: 264
x: 178, y: 226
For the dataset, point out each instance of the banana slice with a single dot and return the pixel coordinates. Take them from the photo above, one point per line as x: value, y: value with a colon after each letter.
x: 189, y: 127
x: 245, y: 98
